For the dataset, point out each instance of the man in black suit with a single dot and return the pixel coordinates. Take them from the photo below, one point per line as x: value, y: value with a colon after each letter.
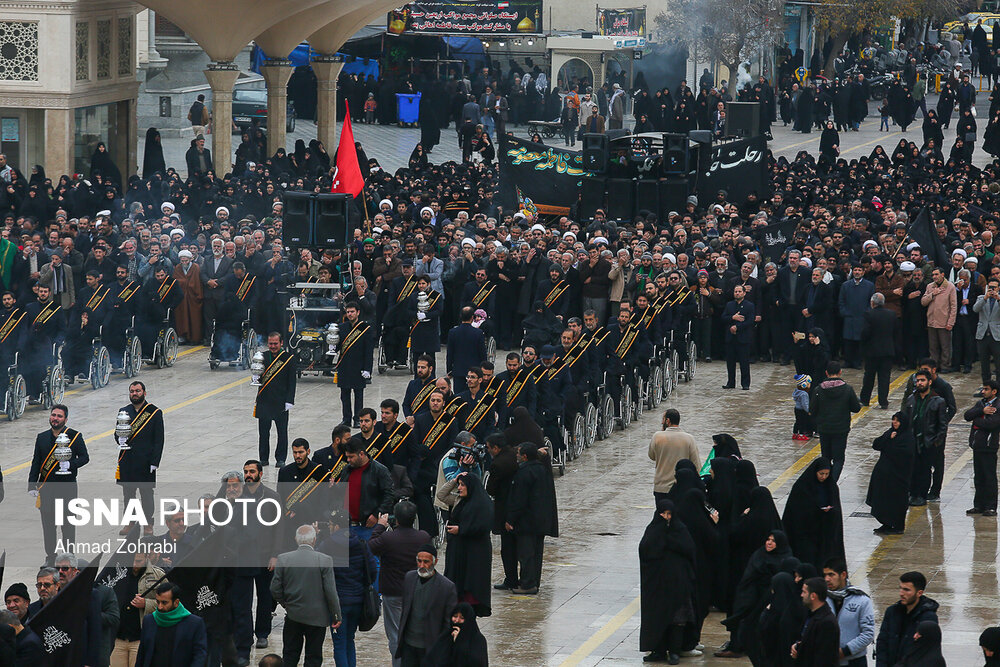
x: 189, y: 640
x: 425, y: 331
x: 466, y: 348
x: 878, y: 335
x: 354, y: 363
x: 239, y: 296
x: 431, y: 591
x: 137, y: 465
x: 28, y: 649
x: 43, y: 324
x: 275, y: 398
x: 213, y: 269
x: 397, y: 551
x: 738, y: 318
x: 49, y: 479
x: 793, y: 278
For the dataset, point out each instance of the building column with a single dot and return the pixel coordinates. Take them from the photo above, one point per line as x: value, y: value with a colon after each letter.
x: 276, y: 74
x: 221, y: 78
x: 154, y: 59
x: 327, y: 70
x: 59, y: 140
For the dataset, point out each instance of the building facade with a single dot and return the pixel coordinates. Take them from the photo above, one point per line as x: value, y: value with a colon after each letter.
x: 67, y: 82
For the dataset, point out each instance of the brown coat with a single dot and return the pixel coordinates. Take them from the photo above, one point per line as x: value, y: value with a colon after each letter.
x: 187, y: 317
x: 885, y: 287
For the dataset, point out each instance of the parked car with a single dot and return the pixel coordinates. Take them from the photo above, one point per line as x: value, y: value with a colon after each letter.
x: 953, y: 29
x: 249, y: 105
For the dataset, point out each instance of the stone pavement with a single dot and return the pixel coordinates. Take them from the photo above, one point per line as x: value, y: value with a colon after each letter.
x: 391, y: 145
x: 587, y: 611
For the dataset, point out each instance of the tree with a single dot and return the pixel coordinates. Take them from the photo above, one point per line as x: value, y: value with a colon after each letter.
x: 729, y: 31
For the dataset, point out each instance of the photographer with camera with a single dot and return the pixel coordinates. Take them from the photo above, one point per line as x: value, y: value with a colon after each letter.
x: 466, y: 456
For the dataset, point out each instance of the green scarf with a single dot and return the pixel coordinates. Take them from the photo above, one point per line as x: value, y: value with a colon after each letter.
x: 7, y: 252
x: 171, y: 618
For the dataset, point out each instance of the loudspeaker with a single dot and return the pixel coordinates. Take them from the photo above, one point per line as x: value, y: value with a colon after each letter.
x: 673, y: 194
x: 332, y: 224
x: 591, y: 197
x: 742, y: 119
x: 595, y: 153
x: 621, y: 199
x: 675, y: 154
x: 297, y: 221
x: 647, y: 196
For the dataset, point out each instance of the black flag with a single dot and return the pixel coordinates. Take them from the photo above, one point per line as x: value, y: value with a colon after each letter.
x: 3, y: 562
x: 60, y: 624
x: 777, y: 238
x: 922, y: 231
x: 205, y: 576
x: 115, y: 573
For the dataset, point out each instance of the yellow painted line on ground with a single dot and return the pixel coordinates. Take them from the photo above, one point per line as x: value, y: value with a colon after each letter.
x: 873, y: 141
x: 807, y: 458
x: 602, y: 635
x: 619, y: 619
x: 196, y: 348
x: 172, y: 408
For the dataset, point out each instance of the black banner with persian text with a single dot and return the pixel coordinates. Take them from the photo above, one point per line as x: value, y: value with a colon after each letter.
x: 739, y: 168
x: 622, y: 22
x: 539, y: 178
x: 500, y: 17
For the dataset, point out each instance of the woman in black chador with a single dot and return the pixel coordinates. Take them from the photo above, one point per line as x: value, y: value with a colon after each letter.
x: 813, y: 520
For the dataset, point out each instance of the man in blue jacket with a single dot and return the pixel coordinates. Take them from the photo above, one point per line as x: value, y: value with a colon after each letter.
x: 173, y: 630
x: 854, y: 611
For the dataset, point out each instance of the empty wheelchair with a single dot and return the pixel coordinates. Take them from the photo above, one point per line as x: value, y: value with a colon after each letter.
x: 247, y: 344
x: 54, y: 380
x: 164, y: 352
x: 16, y: 394
x: 132, y: 356
x: 605, y: 410
x: 99, y: 364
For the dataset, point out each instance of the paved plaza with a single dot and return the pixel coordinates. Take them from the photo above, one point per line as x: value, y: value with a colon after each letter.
x: 587, y: 610
x: 391, y: 145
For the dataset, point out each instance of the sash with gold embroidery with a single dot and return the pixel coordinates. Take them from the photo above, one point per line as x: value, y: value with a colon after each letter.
x: 538, y: 372
x: 50, y: 464
x: 357, y: 332
x: 596, y: 336
x: 128, y: 291
x: 46, y: 313
x: 399, y: 434
x: 556, y: 292
x: 97, y: 298
x: 244, y: 288
x: 276, y: 366
x: 408, y: 287
x: 570, y: 358
x: 11, y: 324
x: 483, y: 293
x: 433, y: 296
x: 421, y: 397
x: 517, y: 383
x: 164, y: 289
x: 454, y: 406
x: 482, y: 408
x: 139, y: 422
x: 631, y: 333
x: 306, y: 487
x: 440, y: 427
x: 334, y: 472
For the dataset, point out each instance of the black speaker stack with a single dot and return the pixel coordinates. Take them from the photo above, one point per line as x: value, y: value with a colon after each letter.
x: 317, y: 220
x: 742, y: 119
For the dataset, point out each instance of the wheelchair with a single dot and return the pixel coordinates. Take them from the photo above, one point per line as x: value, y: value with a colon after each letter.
x: 691, y: 364
x: 654, y: 387
x: 54, y: 380
x: 165, y: 346
x: 99, y: 367
x: 132, y: 356
x: 591, y: 418
x: 667, y: 366
x: 625, y: 408
x: 442, y: 525
x: 16, y: 395
x: 248, y: 344
x: 605, y: 410
x: 573, y: 437
x: 382, y: 364
x: 641, y: 389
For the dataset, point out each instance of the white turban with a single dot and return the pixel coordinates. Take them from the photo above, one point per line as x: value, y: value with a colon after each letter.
x: 538, y: 228
x: 167, y: 205
x: 907, y: 266
x: 959, y: 251
x: 185, y: 253
x: 222, y: 209
x: 669, y: 257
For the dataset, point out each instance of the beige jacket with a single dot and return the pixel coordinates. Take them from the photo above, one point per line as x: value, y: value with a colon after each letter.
x: 667, y: 448
x: 942, y: 306
x: 620, y: 277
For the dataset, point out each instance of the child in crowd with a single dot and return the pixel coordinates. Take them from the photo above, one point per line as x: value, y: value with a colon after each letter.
x: 884, y: 110
x: 370, y: 107
x: 803, y: 422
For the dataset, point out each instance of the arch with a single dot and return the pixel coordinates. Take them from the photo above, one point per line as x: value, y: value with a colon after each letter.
x: 571, y: 70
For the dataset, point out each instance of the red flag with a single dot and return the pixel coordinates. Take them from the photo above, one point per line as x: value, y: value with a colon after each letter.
x: 347, y: 176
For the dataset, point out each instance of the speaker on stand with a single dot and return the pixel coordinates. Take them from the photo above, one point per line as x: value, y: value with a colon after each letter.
x: 742, y: 119
x: 621, y: 199
x: 592, y: 193
x: 333, y: 228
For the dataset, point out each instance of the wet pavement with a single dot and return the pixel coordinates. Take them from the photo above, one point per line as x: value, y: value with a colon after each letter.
x: 587, y: 610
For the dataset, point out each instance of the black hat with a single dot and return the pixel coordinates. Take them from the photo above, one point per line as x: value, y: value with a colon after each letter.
x: 18, y: 590
x: 428, y: 549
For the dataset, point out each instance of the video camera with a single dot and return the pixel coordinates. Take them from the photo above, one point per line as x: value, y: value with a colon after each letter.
x: 477, y: 452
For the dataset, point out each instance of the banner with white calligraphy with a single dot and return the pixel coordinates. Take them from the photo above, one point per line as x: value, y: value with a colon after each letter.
x: 500, y: 17
x: 539, y: 178
x: 739, y: 168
